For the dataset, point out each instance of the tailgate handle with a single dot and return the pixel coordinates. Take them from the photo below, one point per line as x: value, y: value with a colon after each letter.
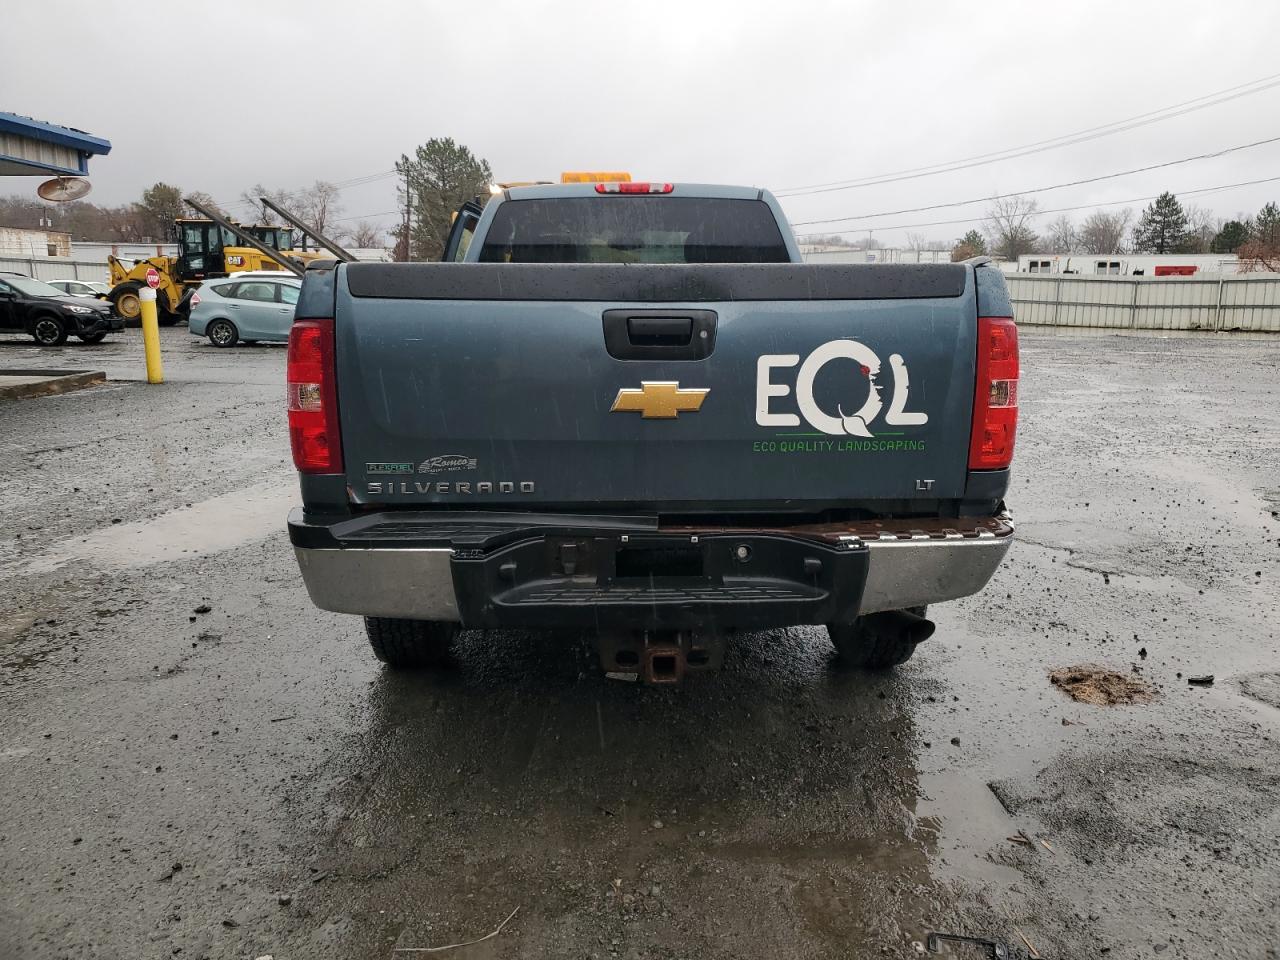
x: 659, y: 334
x: 659, y: 331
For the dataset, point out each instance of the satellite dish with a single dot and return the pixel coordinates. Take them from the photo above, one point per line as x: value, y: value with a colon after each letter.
x: 61, y: 189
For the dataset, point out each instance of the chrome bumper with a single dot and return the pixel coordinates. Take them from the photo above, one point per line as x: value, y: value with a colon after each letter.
x: 417, y: 583
x: 924, y: 570
x: 411, y: 584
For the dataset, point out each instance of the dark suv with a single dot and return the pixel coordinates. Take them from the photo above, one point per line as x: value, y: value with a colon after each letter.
x: 49, y: 315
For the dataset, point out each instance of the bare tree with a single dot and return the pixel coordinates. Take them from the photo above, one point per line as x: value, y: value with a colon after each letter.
x: 366, y: 234
x: 317, y: 206
x: 916, y: 242
x: 1061, y: 237
x: 1008, y: 224
x: 253, y: 197
x: 206, y: 201
x: 1202, y: 227
x: 827, y: 240
x: 1104, y: 232
x: 1262, y: 251
x: 1257, y: 256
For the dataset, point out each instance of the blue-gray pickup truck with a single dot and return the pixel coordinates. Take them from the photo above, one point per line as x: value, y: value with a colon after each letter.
x: 631, y: 408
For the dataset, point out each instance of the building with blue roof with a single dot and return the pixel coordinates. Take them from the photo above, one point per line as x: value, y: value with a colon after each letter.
x: 35, y: 148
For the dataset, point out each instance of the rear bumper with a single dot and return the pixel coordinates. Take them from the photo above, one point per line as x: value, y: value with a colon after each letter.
x: 504, y: 571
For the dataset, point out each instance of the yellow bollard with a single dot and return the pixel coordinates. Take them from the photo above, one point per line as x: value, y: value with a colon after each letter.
x: 151, y: 335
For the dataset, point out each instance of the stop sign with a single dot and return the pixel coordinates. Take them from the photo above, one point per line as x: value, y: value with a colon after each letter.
x: 153, y: 278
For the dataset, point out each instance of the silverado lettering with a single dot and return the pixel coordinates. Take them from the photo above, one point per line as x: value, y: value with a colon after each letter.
x: 378, y: 487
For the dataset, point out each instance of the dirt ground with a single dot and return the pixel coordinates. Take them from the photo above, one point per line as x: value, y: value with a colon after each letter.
x: 246, y: 780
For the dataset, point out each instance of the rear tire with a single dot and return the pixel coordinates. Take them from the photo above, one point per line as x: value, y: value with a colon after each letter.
x: 49, y: 331
x: 410, y: 644
x: 223, y: 333
x: 860, y: 646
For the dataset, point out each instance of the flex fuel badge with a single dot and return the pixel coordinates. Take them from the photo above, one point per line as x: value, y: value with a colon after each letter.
x: 385, y: 468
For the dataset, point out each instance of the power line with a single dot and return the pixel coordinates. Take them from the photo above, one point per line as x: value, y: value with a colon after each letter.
x: 1039, y: 146
x: 1086, y: 206
x: 1056, y: 186
x: 370, y: 216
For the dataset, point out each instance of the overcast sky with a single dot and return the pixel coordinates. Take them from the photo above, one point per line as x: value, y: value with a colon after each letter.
x: 777, y: 94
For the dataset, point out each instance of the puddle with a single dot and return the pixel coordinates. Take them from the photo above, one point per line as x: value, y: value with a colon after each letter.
x: 1089, y: 683
x: 1263, y: 687
x: 211, y: 526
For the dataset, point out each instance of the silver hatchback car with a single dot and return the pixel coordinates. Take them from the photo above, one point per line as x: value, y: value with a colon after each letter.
x: 232, y: 309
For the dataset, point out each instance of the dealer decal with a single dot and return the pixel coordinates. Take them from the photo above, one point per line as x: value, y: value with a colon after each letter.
x: 771, y: 394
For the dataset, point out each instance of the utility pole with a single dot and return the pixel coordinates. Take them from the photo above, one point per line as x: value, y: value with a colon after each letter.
x: 408, y: 215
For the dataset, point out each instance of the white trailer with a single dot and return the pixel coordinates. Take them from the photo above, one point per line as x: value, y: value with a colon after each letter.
x: 1127, y: 264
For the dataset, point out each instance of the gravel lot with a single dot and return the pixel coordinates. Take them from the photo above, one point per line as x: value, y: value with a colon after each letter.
x: 197, y: 763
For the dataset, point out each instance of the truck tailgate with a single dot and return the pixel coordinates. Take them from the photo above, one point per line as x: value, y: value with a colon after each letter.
x: 782, y: 387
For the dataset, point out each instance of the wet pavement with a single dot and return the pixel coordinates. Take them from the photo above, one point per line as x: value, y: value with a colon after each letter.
x: 195, y: 762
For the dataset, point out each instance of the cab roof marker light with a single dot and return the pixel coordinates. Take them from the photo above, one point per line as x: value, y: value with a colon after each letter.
x: 635, y: 187
x: 594, y: 176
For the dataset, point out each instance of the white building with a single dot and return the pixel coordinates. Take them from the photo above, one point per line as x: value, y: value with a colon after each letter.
x: 22, y: 242
x: 1124, y: 264
x: 883, y: 255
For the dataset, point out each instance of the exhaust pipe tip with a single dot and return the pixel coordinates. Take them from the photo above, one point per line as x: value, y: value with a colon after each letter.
x: 911, y: 627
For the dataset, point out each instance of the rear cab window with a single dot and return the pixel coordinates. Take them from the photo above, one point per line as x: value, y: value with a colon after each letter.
x: 634, y: 229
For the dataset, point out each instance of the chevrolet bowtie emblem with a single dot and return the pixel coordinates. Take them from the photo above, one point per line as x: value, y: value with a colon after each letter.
x: 659, y: 400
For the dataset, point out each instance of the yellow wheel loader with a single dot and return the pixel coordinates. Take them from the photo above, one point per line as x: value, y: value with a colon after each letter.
x: 205, y: 250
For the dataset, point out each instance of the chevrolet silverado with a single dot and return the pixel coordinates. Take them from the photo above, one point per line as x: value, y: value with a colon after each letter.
x: 631, y: 408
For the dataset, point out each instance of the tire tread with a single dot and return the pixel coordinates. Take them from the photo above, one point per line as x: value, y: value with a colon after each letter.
x: 410, y: 644
x: 863, y: 649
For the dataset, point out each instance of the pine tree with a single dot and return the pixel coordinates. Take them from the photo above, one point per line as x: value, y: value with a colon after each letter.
x: 1231, y: 237
x: 1162, y: 227
x: 440, y: 176
x: 975, y: 241
x: 1266, y: 226
x: 972, y: 244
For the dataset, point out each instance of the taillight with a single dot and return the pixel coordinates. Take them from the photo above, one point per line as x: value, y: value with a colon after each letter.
x: 995, y: 395
x: 635, y: 187
x: 313, y: 400
x: 195, y: 299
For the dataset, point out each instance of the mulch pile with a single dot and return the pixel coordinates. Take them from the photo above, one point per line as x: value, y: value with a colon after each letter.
x: 1090, y: 683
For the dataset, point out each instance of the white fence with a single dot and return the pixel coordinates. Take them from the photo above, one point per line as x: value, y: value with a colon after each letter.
x: 54, y: 268
x: 1227, y: 302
